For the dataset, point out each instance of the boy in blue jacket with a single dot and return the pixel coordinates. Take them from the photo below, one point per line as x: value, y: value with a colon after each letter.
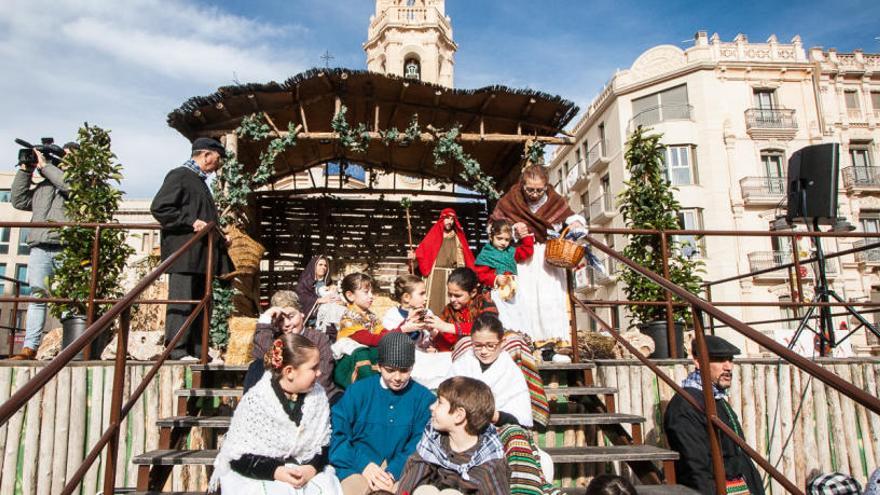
x: 379, y: 421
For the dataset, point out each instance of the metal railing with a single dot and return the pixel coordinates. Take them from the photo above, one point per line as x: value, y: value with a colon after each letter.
x: 762, y: 260
x: 577, y: 173
x: 701, y: 307
x: 121, y: 311
x: 661, y: 113
x: 597, y: 154
x: 770, y: 118
x: 602, y: 207
x: 861, y: 177
x: 13, y: 327
x: 770, y: 188
x: 870, y: 255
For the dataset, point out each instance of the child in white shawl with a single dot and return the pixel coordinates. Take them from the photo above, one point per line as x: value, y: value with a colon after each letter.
x: 278, y: 439
x: 492, y: 365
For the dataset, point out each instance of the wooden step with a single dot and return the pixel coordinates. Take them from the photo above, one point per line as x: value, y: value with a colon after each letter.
x: 578, y: 419
x: 195, y: 421
x: 578, y: 391
x: 209, y: 392
x: 175, y: 458
x: 573, y: 455
x: 545, y: 366
x: 643, y: 490
x: 219, y: 367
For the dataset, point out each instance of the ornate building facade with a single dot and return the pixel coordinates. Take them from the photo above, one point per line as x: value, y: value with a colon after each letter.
x: 731, y: 114
x: 413, y: 39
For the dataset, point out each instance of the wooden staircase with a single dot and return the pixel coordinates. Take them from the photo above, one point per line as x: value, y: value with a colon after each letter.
x: 581, y: 413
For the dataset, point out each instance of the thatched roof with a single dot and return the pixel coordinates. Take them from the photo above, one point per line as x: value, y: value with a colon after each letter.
x: 394, y: 100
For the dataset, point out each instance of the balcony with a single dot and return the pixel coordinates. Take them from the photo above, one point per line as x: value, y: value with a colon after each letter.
x: 597, y: 157
x: 609, y: 276
x: 767, y: 123
x: 857, y: 179
x: 855, y: 115
x: 762, y: 191
x: 660, y: 114
x: 576, y: 180
x: 602, y: 209
x: 762, y: 260
x: 868, y: 256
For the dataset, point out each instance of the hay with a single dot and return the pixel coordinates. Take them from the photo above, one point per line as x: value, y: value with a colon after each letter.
x: 241, y: 340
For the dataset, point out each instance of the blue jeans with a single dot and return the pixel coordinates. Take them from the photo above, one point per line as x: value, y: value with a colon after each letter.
x: 41, y: 266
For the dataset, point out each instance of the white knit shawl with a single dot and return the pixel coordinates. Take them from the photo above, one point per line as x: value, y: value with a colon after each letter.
x: 260, y: 426
x: 509, y: 387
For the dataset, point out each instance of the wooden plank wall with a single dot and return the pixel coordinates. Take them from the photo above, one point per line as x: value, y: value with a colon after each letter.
x: 801, y: 423
x: 359, y: 231
x: 788, y: 416
x: 46, y: 441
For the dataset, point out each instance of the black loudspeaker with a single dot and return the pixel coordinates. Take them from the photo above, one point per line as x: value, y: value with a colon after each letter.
x: 812, y: 183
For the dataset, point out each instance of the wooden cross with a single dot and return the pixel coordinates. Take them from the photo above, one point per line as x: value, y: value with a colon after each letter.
x: 326, y: 57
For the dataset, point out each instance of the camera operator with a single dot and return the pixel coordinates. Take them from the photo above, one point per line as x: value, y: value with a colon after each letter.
x: 45, y: 198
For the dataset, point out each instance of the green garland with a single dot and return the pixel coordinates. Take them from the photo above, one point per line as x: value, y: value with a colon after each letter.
x: 409, y: 135
x: 356, y: 140
x: 448, y: 148
x: 534, y: 152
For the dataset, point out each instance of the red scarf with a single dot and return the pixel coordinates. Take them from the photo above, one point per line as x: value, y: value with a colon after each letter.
x: 426, y: 253
x: 513, y: 207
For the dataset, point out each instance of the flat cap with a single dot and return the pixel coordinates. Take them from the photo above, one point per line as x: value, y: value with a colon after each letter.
x: 209, y: 144
x: 717, y: 346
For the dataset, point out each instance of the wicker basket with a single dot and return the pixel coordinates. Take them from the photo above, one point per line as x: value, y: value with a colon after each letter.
x: 563, y: 253
x: 245, y: 252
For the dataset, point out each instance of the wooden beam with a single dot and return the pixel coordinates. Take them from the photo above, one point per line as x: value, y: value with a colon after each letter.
x: 427, y: 137
x: 302, y: 116
x: 220, y: 106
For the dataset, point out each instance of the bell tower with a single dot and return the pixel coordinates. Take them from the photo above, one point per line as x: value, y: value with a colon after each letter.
x: 412, y: 39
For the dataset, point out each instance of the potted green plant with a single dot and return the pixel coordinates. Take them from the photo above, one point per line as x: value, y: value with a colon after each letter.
x: 647, y: 202
x: 90, y: 173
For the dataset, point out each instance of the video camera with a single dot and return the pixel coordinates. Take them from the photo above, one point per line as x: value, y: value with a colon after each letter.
x: 51, y: 152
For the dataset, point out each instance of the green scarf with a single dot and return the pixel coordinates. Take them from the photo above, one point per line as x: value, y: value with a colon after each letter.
x: 502, y: 261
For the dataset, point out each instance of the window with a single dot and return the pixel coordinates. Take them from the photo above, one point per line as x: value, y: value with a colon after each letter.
x: 585, y: 201
x: 412, y: 69
x: 602, y: 139
x: 605, y: 185
x: 2, y: 281
x: 875, y: 103
x: 577, y: 155
x: 4, y: 240
x: 852, y: 100
x: 671, y: 104
x: 21, y: 275
x: 860, y: 154
x: 690, y: 219
x: 678, y: 165
x: 586, y: 148
x: 789, y: 313
x: 20, y: 319
x: 765, y: 99
x: 23, y: 248
x: 869, y: 221
x: 5, y: 196
x: 772, y: 163
x: 351, y: 171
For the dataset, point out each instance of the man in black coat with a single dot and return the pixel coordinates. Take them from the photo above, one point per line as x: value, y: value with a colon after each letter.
x: 184, y: 206
x: 686, y: 427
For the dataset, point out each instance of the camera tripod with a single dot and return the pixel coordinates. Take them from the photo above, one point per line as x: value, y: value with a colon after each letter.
x: 823, y: 294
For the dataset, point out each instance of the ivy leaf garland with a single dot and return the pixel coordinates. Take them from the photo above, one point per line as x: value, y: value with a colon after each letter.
x: 356, y: 140
x: 448, y: 148
x: 534, y: 152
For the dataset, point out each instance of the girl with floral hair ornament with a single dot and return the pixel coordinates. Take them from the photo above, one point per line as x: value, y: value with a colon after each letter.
x: 279, y: 436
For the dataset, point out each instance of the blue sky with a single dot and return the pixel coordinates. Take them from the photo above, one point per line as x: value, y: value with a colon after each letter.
x: 124, y: 65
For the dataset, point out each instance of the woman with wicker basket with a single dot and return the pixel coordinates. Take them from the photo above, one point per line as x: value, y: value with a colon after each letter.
x: 542, y: 286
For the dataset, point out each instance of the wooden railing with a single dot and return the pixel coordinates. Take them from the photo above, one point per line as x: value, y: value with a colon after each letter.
x: 701, y: 307
x: 120, y: 310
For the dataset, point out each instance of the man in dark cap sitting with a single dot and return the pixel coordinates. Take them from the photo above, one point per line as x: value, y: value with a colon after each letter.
x: 184, y: 206
x: 686, y: 427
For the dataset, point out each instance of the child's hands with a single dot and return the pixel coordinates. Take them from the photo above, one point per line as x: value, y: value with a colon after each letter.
x: 287, y: 475
x: 502, y: 280
x: 378, y: 478
x: 414, y: 321
x: 521, y: 229
x: 434, y: 322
